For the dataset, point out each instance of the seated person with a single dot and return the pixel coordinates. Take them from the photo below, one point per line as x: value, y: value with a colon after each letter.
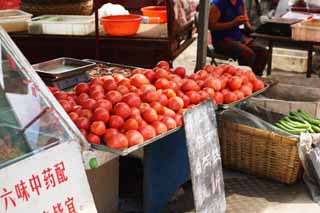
x: 224, y: 20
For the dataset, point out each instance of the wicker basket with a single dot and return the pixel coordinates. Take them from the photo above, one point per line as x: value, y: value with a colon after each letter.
x: 58, y: 8
x: 259, y: 152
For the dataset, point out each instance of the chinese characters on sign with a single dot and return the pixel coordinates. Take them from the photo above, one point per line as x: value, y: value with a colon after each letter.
x: 24, y: 189
x: 47, y: 182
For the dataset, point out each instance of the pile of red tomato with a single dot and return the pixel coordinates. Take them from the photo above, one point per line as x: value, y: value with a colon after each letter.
x: 122, y: 112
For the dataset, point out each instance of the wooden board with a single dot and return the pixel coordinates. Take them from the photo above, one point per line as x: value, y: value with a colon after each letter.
x: 204, y: 158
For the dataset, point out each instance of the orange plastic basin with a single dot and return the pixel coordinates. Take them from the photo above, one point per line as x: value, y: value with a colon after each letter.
x: 156, y: 11
x: 121, y: 25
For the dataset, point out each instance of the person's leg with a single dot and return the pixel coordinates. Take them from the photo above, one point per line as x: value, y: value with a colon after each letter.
x: 261, y: 59
x: 236, y: 50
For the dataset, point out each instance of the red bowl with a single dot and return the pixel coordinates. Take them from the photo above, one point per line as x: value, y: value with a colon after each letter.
x: 121, y: 25
x: 156, y: 11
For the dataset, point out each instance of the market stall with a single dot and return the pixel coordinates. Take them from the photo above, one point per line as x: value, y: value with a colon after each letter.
x: 152, y: 42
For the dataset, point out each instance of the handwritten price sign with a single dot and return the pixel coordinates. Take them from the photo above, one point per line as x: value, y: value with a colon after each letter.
x: 53, y: 181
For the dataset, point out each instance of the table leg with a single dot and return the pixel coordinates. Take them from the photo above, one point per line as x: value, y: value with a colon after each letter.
x: 309, y: 68
x: 269, y: 69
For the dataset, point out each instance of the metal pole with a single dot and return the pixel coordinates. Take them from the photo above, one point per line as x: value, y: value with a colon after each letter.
x: 97, y: 31
x: 202, y: 34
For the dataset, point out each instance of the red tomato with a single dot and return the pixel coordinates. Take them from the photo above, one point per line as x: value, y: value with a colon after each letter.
x: 134, y: 137
x: 96, y: 88
x: 147, y: 87
x: 132, y: 99
x: 138, y: 118
x: 92, y: 138
x: 244, y: 78
x: 169, y: 93
x: 175, y: 103
x: 110, y: 84
x: 60, y: 95
x: 125, y: 82
x: 74, y: 116
x: 162, y: 83
x: 225, y: 91
x: 104, y: 103
x: 101, y: 114
x: 194, y: 97
x: 87, y: 113
x: 114, y: 96
x: 116, y: 121
x: 173, y: 86
x: 150, y: 115
x: 203, y: 74
x: 195, y: 76
x: 123, y: 89
x: 131, y: 124
x: 251, y: 76
x: 161, y: 73
x: 135, y: 111
x: 98, y: 127
x: 158, y: 107
x: 230, y: 97
x: 209, y: 68
x: 204, y: 95
x: 90, y: 104
x: 84, y: 132
x: 122, y: 109
x: 117, y: 141
x: 97, y: 95
x: 96, y: 80
x: 82, y: 98
x: 230, y: 69
x: 77, y: 109
x: 150, y: 96
x: 213, y: 83
x: 143, y: 107
x: 209, y: 91
x: 138, y: 80
x: 218, y: 98
x: 164, y: 65
x: 66, y: 105
x: 169, y: 122
x: 200, y: 83
x: 137, y: 71
x: 181, y: 71
x: 81, y: 88
x: 151, y: 75
x: 250, y: 84
x: 258, y: 85
x: 189, y: 85
x: 168, y: 112
x: 178, y: 119
x: 235, y: 83
x: 108, y: 133
x: 239, y: 94
x: 163, y: 100
x: 246, y: 90
x: 186, y: 101
x: 160, y: 127
x: 147, y: 132
x: 224, y: 82
x: 118, y: 77
x: 82, y: 123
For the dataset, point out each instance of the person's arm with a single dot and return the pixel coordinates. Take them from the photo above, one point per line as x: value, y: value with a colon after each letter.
x: 247, y: 24
x: 214, y: 23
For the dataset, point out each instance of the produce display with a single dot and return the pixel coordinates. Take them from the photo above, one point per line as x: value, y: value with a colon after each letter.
x: 298, y: 122
x: 122, y: 111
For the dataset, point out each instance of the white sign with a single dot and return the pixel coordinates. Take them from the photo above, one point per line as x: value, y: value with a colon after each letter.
x: 53, y: 181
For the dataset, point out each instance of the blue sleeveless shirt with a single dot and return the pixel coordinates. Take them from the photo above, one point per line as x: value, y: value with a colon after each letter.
x: 228, y: 13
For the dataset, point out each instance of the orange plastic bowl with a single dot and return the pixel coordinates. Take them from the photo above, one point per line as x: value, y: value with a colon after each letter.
x: 156, y: 11
x: 121, y: 25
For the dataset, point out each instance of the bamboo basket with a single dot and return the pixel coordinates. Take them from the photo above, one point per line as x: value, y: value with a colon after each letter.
x: 259, y: 152
x: 84, y: 7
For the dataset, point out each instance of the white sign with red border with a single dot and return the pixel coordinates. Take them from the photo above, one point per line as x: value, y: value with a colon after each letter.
x: 53, y: 181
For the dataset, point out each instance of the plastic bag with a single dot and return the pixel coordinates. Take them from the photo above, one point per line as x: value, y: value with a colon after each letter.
x: 112, y: 10
x: 256, y: 117
x: 308, y: 144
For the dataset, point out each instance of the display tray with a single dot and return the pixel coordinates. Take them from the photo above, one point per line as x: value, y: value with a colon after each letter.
x: 61, y: 68
x: 136, y: 147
